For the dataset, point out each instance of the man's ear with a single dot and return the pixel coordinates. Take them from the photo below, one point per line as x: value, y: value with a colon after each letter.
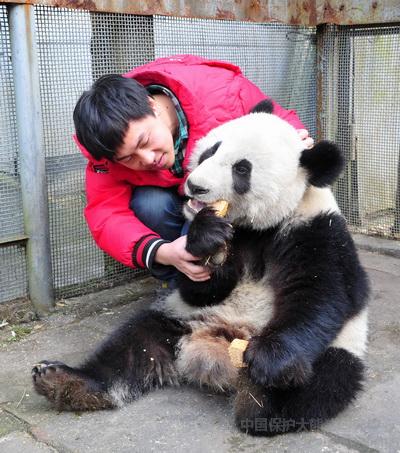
x: 153, y: 105
x: 264, y: 106
x: 324, y: 162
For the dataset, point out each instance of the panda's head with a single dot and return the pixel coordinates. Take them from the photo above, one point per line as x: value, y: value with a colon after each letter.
x: 257, y: 163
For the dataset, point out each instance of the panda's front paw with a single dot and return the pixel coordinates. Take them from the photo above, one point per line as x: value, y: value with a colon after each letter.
x: 270, y: 364
x: 208, y: 234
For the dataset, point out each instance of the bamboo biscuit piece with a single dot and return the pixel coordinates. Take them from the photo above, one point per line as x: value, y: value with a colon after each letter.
x: 220, y: 207
x: 236, y: 350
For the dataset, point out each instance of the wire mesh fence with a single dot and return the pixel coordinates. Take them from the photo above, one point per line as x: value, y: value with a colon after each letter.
x: 280, y: 59
x: 360, y: 111
x: 75, y: 48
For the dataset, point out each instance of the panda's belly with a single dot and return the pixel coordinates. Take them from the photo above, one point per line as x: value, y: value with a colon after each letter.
x: 249, y: 304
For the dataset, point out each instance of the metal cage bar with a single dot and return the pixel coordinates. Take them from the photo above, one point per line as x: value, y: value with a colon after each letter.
x: 32, y: 163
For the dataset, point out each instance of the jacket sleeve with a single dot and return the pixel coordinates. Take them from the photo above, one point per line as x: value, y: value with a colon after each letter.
x: 114, y: 226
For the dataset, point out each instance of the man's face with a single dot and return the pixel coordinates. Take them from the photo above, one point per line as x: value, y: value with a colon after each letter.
x: 148, y: 145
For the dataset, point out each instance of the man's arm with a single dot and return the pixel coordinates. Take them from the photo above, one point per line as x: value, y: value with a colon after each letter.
x: 118, y: 232
x: 113, y: 224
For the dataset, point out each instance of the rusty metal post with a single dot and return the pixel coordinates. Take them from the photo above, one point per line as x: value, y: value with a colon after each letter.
x: 31, y: 154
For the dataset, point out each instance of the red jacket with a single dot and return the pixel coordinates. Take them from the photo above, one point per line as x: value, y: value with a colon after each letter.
x: 210, y: 93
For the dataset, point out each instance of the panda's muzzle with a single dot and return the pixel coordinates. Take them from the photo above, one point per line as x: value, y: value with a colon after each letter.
x: 195, y: 190
x: 194, y: 206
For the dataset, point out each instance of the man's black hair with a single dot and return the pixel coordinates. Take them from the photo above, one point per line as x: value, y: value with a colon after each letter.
x: 102, y: 114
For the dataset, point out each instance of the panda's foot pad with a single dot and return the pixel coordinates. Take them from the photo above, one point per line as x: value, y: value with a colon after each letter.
x: 66, y: 388
x: 50, y: 377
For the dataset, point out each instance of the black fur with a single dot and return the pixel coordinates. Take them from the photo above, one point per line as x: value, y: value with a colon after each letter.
x: 246, y: 247
x: 208, y: 233
x: 336, y: 378
x: 324, y: 163
x: 213, y: 291
x: 319, y: 284
x: 147, y: 335
x: 138, y: 357
x: 241, y: 175
x: 264, y: 106
x: 209, y: 152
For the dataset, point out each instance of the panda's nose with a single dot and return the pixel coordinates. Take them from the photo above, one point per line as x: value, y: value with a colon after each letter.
x: 196, y: 190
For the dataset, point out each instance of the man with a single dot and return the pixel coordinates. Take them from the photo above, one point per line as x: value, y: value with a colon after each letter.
x: 138, y: 131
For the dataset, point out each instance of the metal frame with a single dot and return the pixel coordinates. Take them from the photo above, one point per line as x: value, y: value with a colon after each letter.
x: 32, y: 159
x: 294, y: 12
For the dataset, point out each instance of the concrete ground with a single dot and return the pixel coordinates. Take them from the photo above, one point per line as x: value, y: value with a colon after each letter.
x: 186, y: 419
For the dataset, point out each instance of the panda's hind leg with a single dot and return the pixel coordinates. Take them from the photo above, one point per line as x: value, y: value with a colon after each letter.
x: 337, y: 378
x: 138, y: 357
x: 68, y: 388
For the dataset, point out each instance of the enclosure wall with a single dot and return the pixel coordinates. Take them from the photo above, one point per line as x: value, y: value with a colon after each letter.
x: 350, y: 94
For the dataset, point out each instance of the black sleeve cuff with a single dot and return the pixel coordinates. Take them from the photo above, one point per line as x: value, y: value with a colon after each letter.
x: 157, y: 270
x: 150, y: 251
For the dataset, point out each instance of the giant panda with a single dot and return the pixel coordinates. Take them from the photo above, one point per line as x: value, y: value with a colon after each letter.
x: 291, y: 284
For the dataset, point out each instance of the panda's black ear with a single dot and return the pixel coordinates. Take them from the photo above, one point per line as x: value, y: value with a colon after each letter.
x: 324, y: 163
x: 265, y: 106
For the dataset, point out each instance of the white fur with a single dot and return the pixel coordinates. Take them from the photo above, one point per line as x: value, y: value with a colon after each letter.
x: 120, y: 393
x: 205, y: 360
x: 316, y: 201
x: 250, y: 303
x: 353, y: 336
x: 277, y: 181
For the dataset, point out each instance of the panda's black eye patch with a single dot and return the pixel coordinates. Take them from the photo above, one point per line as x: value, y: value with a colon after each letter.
x: 242, y: 167
x: 209, y: 152
x: 241, y: 172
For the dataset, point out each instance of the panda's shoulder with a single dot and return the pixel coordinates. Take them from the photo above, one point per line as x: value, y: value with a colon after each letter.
x: 323, y: 234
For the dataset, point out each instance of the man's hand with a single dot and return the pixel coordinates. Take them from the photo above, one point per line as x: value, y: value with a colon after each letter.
x: 175, y: 254
x: 307, y: 140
